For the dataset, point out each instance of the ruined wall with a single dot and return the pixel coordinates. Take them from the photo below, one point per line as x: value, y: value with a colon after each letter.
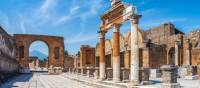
x: 196, y: 56
x: 87, y: 56
x: 8, y: 63
x: 68, y: 62
x: 153, y: 56
x: 161, y: 34
x: 194, y: 38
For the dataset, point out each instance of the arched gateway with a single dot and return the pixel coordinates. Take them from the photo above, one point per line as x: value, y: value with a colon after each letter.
x: 54, y: 43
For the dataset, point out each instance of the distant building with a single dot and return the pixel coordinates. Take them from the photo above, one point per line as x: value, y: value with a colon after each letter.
x: 87, y: 56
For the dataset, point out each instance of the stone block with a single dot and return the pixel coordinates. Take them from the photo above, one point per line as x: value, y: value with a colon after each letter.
x: 155, y: 73
x: 96, y: 74
x: 171, y: 85
x: 182, y: 72
x: 109, y: 73
x: 169, y: 76
x: 125, y: 74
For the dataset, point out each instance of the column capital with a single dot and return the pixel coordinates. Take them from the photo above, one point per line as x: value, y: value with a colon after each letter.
x: 102, y: 34
x: 135, y: 18
x: 116, y: 27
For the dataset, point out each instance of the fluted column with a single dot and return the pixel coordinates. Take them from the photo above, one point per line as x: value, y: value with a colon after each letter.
x: 134, y: 71
x: 116, y: 53
x: 102, y: 65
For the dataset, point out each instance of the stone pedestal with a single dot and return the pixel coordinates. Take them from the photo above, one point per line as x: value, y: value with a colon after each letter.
x: 89, y: 72
x: 96, y: 73
x: 109, y: 73
x: 55, y: 70
x: 125, y: 74
x: 169, y: 76
x: 155, y: 73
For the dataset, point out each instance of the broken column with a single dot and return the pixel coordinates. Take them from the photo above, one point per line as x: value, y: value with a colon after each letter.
x: 102, y: 65
x: 116, y: 53
x: 169, y: 76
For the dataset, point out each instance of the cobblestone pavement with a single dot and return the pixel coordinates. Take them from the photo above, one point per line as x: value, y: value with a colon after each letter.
x: 39, y: 80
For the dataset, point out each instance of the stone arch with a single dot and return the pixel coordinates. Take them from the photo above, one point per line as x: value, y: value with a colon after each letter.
x: 171, y: 56
x: 122, y: 41
x: 108, y: 50
x: 108, y: 46
x: 55, y: 46
x: 197, y: 44
x: 140, y: 40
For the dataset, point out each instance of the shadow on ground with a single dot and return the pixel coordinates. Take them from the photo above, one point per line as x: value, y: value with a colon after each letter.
x: 17, y: 79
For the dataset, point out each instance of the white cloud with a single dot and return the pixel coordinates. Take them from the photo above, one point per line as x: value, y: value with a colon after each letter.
x: 46, y: 6
x: 81, y: 38
x: 93, y: 7
x: 74, y: 9
x: 69, y: 16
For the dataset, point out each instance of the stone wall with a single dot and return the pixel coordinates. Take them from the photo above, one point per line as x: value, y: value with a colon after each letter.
x: 8, y: 63
x: 196, y: 56
x: 153, y: 56
x: 68, y: 62
x: 87, y: 56
x: 161, y: 34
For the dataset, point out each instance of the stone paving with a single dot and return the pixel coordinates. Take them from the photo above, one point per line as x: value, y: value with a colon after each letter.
x: 43, y: 81
x: 68, y: 80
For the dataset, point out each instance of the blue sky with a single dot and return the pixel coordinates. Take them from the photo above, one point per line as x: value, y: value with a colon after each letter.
x: 78, y: 20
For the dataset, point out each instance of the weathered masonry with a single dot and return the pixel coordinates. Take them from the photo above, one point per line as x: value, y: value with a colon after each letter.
x: 8, y: 63
x: 55, y: 45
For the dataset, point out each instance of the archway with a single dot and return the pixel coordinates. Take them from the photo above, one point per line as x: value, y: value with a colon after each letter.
x: 55, y: 46
x: 171, y: 56
x: 38, y: 56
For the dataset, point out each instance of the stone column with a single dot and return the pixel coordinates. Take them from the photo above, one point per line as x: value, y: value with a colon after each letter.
x: 177, y: 53
x: 51, y: 56
x: 26, y: 56
x: 116, y: 53
x: 188, y: 53
x: 134, y: 71
x: 169, y: 76
x: 102, y: 65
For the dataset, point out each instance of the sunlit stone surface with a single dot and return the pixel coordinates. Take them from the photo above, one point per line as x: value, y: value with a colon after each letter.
x: 42, y: 80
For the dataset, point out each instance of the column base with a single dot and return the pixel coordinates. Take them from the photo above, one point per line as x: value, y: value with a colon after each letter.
x: 101, y: 79
x: 116, y: 80
x: 146, y: 83
x: 171, y: 85
x: 133, y: 84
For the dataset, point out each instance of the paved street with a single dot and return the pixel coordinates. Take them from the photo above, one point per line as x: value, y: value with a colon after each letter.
x: 41, y: 80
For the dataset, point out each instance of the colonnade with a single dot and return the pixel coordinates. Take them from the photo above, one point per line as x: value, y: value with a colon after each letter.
x: 134, y: 70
